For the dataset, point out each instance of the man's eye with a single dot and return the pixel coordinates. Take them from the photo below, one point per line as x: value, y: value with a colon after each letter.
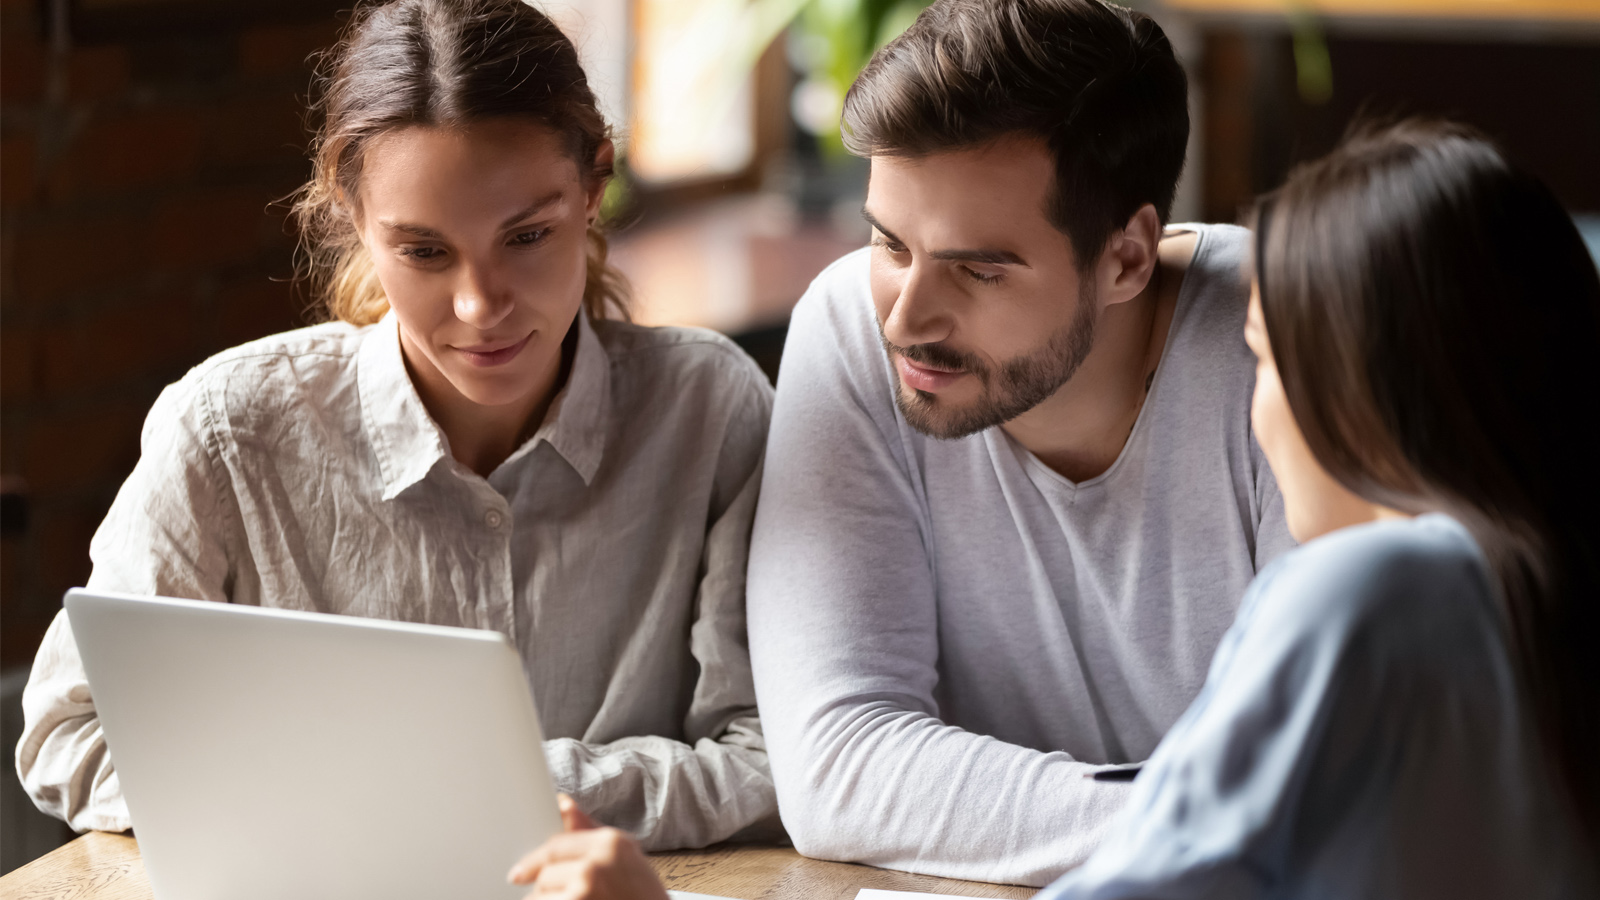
x: 526, y: 238
x: 980, y: 277
x: 891, y: 246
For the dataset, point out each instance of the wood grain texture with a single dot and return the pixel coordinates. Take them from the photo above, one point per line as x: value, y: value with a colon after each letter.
x: 98, y: 865
x: 779, y: 873
x: 101, y: 866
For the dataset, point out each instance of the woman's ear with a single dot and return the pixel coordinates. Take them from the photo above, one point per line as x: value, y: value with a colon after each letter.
x: 605, y: 159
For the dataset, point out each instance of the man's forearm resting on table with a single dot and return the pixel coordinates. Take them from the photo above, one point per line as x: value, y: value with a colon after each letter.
x: 900, y: 789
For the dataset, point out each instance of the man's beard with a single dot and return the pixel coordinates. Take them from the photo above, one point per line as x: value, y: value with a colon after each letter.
x: 1017, y: 386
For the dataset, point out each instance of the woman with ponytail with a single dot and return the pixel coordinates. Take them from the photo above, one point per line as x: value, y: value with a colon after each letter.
x: 476, y: 437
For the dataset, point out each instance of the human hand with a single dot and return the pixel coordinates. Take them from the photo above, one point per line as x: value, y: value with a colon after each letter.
x: 587, y: 862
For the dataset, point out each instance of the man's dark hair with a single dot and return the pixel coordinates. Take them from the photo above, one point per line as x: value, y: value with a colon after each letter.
x: 1098, y: 83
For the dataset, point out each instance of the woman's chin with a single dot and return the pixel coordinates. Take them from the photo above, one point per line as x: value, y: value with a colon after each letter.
x: 499, y: 385
x: 493, y: 395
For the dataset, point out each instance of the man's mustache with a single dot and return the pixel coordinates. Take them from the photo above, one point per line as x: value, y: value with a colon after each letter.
x: 939, y: 356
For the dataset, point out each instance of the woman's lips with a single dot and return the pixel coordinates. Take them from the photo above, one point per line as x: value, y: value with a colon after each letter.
x: 493, y: 354
x: 922, y: 378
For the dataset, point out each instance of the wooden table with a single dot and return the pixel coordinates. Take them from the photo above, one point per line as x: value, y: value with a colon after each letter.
x: 101, y: 866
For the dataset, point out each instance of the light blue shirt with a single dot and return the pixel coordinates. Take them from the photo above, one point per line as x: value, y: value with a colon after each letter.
x: 1359, y: 735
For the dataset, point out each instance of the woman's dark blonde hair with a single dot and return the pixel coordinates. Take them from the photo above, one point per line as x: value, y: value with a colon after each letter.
x: 1435, y: 318
x: 439, y: 63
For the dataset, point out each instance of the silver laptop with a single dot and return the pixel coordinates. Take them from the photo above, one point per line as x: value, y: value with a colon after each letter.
x: 272, y: 754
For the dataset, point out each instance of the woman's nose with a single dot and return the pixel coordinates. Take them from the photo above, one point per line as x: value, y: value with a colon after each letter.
x: 481, y: 302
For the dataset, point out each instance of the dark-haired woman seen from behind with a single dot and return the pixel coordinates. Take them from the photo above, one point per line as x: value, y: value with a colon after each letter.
x: 1408, y: 706
x: 475, y: 440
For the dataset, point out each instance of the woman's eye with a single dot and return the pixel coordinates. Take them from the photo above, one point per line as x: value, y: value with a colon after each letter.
x: 422, y: 254
x: 526, y: 238
x: 980, y: 277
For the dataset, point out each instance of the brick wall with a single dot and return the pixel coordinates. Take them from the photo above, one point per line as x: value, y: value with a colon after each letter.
x: 142, y: 150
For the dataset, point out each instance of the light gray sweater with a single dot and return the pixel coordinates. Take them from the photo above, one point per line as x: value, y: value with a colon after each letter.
x: 947, y: 635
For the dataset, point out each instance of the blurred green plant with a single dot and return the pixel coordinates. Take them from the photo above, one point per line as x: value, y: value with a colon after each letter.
x: 617, y: 201
x: 829, y: 42
x: 1313, y: 68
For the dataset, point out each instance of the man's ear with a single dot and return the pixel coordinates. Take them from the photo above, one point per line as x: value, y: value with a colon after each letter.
x: 605, y: 157
x: 1130, y: 257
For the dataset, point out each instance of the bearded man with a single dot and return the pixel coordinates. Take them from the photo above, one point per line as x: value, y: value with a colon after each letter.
x: 1011, y: 498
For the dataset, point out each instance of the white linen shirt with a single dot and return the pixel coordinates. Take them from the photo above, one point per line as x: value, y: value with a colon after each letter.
x: 302, y: 472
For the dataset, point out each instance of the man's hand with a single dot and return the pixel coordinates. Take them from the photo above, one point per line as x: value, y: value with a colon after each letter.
x: 587, y: 862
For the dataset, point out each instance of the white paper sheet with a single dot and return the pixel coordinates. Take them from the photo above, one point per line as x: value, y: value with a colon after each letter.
x: 872, y: 894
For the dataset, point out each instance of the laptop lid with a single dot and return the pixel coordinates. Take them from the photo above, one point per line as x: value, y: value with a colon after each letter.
x: 269, y: 754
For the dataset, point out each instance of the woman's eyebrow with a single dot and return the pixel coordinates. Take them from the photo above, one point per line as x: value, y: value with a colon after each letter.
x: 418, y: 230
x: 538, y: 206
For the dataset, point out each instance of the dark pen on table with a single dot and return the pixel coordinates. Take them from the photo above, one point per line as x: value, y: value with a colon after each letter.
x: 1116, y: 773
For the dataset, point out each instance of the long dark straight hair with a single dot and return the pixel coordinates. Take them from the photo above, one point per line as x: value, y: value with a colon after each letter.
x: 1435, y: 317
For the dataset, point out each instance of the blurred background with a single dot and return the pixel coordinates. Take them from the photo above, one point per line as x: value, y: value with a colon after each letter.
x: 143, y: 144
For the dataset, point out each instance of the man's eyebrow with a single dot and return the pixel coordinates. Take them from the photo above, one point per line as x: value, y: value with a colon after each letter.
x: 873, y: 221
x: 990, y: 257
x: 532, y: 209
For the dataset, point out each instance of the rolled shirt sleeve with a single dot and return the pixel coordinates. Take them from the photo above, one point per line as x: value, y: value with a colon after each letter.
x: 715, y: 785
x: 165, y: 535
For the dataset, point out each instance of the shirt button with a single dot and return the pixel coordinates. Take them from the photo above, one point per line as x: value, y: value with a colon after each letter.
x: 493, y: 519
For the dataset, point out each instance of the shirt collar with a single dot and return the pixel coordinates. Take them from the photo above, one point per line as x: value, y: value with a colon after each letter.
x: 405, y: 439
x: 408, y: 443
x: 575, y: 425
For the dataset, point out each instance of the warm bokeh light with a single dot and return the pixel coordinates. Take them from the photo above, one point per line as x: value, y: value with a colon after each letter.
x: 691, y: 115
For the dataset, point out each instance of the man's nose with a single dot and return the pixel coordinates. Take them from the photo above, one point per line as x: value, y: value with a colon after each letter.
x: 921, y: 313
